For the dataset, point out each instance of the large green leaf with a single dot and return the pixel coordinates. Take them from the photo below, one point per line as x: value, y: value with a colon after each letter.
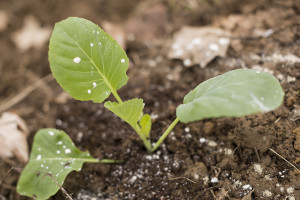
x: 52, y: 158
x: 86, y: 62
x: 130, y: 111
x: 236, y: 93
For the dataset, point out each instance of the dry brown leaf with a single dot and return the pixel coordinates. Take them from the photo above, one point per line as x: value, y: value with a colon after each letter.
x: 199, y: 45
x: 31, y: 35
x: 13, y: 137
x: 116, y: 31
x: 3, y: 20
x: 62, y: 98
x: 148, y: 22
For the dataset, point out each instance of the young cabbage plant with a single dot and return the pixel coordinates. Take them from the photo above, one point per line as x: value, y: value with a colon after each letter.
x: 52, y: 158
x: 90, y: 65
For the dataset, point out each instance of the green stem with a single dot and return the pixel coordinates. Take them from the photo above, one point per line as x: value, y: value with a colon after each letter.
x: 145, y: 140
x: 116, y: 96
x: 108, y: 161
x: 166, y: 133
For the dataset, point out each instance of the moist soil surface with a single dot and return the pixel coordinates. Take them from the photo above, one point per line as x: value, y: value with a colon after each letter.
x: 224, y: 158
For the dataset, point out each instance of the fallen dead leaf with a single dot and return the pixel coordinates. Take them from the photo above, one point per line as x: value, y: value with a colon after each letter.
x: 148, y: 22
x: 13, y: 137
x: 31, y: 35
x: 62, y: 98
x: 116, y: 31
x: 199, y: 45
x: 3, y: 20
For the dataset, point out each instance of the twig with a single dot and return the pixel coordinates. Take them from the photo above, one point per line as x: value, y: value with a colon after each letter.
x: 277, y: 120
x: 61, y: 188
x: 285, y: 159
x: 19, y: 97
x: 257, y: 154
x: 176, y: 178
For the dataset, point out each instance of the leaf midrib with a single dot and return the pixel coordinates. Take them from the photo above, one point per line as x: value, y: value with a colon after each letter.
x: 90, y: 59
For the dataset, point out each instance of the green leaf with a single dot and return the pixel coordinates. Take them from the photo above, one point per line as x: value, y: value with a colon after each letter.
x: 145, y: 124
x: 236, y: 93
x: 130, y: 111
x: 86, y: 62
x: 52, y: 158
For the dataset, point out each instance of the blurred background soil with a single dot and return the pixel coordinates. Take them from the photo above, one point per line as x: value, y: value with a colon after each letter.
x: 221, y: 158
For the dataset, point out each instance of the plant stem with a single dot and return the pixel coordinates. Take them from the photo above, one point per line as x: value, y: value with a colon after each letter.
x: 145, y: 140
x: 116, y: 96
x: 166, y: 133
x: 108, y: 161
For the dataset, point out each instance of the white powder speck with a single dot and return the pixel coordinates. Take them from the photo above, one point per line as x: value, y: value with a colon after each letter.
x: 268, y: 177
x: 98, y: 32
x: 92, y: 44
x: 58, y: 151
x: 267, y: 193
x: 196, y: 41
x: 237, y: 184
x: 51, y: 133
x: 94, y: 84
x: 68, y: 151
x: 187, y: 129
x: 187, y: 62
x: 213, y: 47
x: 42, y: 165
x: 290, y: 198
x: 247, y: 187
x: 205, y: 179
x: 39, y: 149
x: 202, y: 140
x: 212, y: 143
x: 100, y: 43
x: 227, y: 151
x: 39, y: 157
x: 214, y: 180
x: 224, y: 41
x: 89, y: 91
x: 76, y: 60
x: 257, y: 168
x: 59, y: 142
x: 122, y: 60
x: 290, y: 190
x: 133, y: 179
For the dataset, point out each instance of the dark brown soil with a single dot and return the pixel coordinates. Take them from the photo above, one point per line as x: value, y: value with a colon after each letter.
x: 212, y: 159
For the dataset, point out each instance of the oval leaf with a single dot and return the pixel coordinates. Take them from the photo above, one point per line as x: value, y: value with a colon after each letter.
x: 86, y: 62
x: 236, y: 93
x: 130, y: 111
x: 52, y: 158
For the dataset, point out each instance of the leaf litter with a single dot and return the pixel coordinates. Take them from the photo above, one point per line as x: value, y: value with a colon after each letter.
x: 199, y: 45
x: 13, y: 137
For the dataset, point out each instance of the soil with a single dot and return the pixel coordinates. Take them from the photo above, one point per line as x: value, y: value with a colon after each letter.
x: 224, y: 158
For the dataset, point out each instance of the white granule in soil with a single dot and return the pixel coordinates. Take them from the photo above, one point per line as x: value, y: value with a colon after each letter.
x: 258, y: 168
x: 290, y: 190
x: 267, y: 193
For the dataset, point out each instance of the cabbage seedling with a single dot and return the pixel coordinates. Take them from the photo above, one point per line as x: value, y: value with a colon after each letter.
x: 52, y: 158
x: 90, y: 65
